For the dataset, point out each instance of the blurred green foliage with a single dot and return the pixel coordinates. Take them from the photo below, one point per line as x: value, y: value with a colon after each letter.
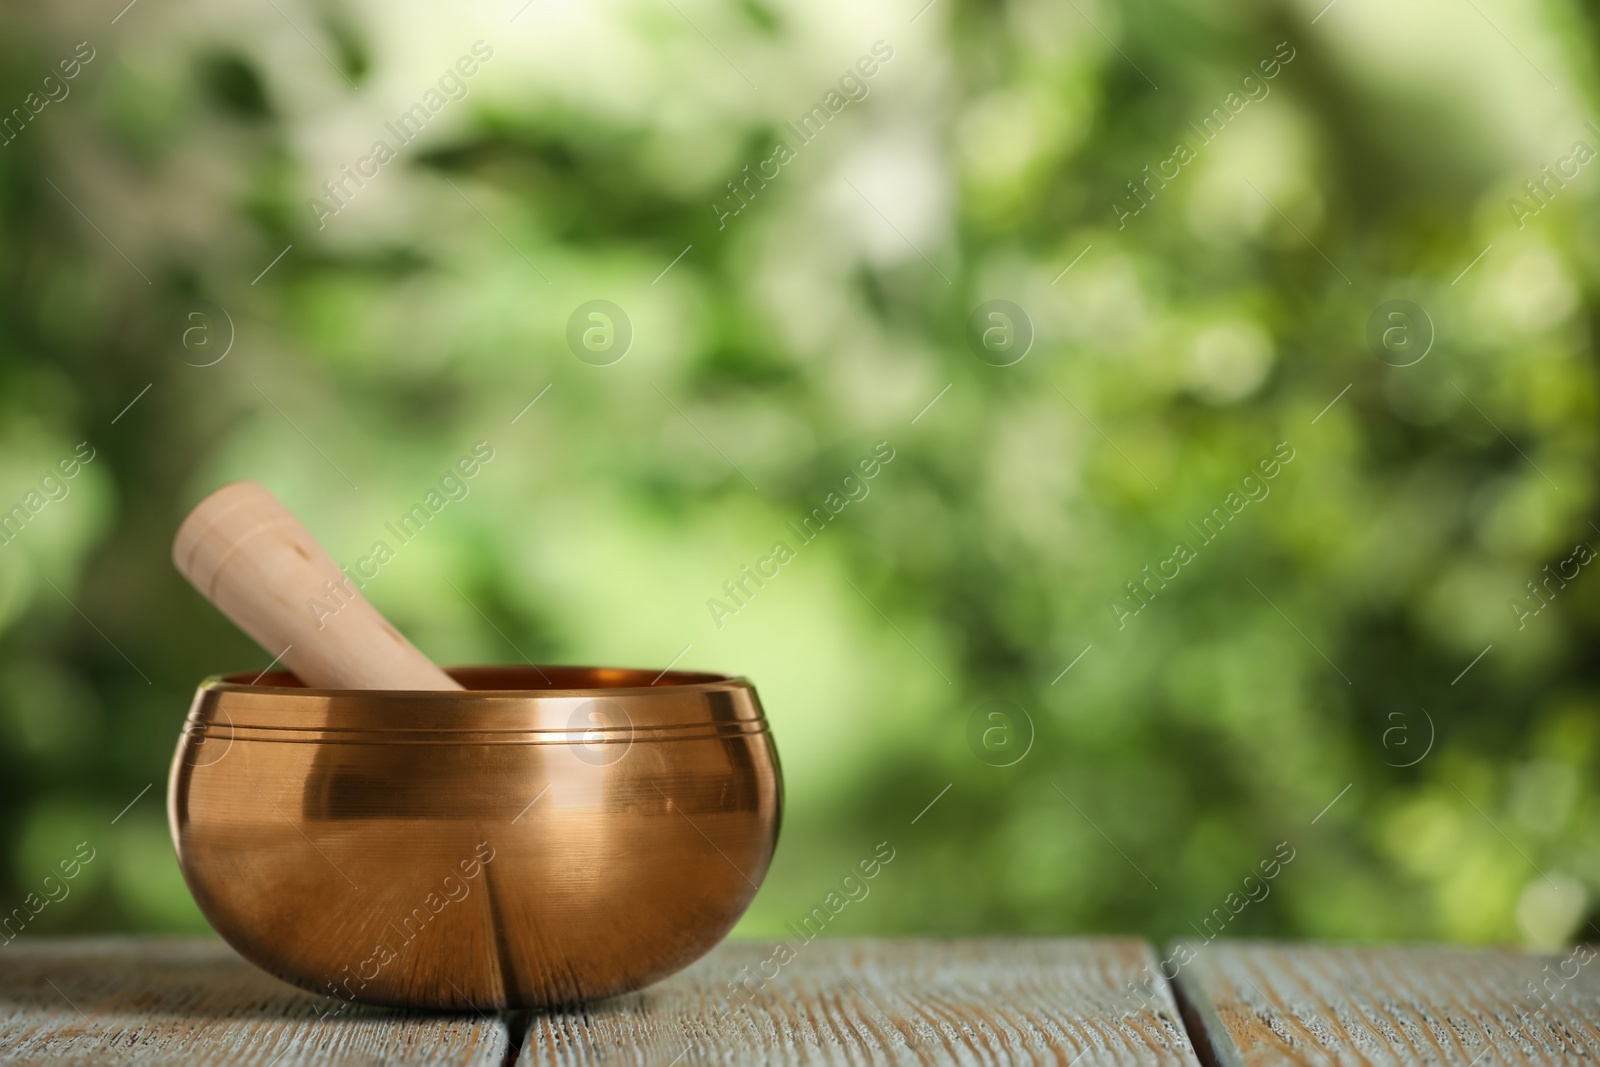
x: 1311, y: 650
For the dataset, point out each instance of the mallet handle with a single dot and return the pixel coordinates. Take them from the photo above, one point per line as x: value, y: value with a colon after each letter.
x: 248, y: 554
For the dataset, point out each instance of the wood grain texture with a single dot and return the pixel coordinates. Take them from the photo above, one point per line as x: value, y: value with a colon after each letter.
x: 1325, y: 1006
x: 137, y: 1001
x: 885, y: 1002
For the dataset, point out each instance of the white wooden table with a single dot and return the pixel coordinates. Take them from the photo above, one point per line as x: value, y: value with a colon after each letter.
x: 1083, y: 1001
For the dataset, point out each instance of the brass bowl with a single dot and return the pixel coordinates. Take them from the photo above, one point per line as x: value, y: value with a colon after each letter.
x: 549, y: 836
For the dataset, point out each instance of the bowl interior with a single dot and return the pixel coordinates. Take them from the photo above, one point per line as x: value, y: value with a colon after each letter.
x: 509, y: 679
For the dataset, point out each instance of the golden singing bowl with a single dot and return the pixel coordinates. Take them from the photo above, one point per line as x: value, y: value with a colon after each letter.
x: 550, y: 835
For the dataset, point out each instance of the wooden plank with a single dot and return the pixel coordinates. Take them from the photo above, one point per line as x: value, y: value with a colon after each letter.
x: 1327, y: 1006
x: 189, y: 1001
x: 1081, y: 1001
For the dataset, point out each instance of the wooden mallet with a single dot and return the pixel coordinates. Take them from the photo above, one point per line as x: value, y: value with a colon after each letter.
x: 248, y: 554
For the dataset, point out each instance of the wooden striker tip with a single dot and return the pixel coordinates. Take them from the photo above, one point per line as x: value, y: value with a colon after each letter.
x: 248, y: 554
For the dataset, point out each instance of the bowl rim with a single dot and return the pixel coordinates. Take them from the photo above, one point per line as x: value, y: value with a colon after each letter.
x: 681, y: 683
x: 497, y: 706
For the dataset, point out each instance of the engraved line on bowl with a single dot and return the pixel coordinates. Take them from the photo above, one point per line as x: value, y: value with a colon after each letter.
x: 729, y: 726
x: 490, y: 742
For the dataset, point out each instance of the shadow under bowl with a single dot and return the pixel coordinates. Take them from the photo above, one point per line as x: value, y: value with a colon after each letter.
x: 550, y: 835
